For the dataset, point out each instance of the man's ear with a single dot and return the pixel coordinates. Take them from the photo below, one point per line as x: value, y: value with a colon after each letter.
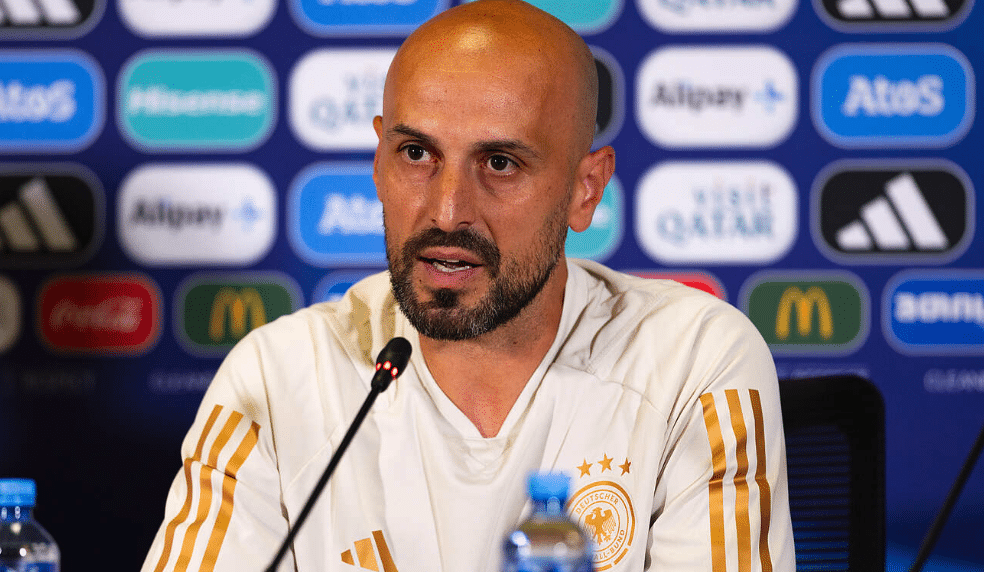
x: 593, y: 173
x: 377, y: 124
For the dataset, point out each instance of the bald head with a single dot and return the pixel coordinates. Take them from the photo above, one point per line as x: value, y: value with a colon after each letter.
x: 506, y: 37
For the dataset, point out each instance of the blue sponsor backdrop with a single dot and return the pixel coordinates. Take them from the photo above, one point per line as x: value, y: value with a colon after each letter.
x: 101, y: 434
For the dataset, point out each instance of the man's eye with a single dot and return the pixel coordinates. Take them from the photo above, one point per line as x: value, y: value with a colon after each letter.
x: 499, y: 163
x: 415, y: 152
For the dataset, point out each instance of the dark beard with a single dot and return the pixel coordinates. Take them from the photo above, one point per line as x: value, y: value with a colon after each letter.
x: 513, y: 285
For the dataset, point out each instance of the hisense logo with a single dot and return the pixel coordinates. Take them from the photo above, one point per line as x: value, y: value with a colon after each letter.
x: 162, y: 101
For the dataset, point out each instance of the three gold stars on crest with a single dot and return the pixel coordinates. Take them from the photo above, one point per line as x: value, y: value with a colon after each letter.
x: 606, y: 465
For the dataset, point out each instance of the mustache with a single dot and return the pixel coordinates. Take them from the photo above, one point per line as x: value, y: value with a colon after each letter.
x: 466, y: 239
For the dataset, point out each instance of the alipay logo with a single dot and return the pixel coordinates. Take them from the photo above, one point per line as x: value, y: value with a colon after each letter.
x: 215, y: 18
x: 49, y: 19
x: 889, y: 96
x: 893, y: 212
x: 731, y: 17
x: 716, y: 212
x: 602, y: 238
x: 335, y: 284
x: 939, y: 312
x: 50, y: 215
x: 743, y: 96
x: 196, y: 100
x: 808, y: 312
x: 214, y: 311
x: 189, y: 215
x: 334, y: 217
x: 584, y: 17
x: 892, y: 15
x: 334, y: 95
x: 51, y: 101
x: 364, y: 17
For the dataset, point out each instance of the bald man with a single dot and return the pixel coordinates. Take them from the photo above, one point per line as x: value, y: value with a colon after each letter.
x: 659, y: 401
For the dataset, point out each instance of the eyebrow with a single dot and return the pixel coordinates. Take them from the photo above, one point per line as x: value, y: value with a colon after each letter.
x: 510, y: 145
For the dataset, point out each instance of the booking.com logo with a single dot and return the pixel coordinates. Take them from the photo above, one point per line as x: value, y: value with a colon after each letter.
x: 361, y: 17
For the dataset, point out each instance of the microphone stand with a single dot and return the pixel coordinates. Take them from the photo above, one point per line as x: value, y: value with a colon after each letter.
x: 392, y: 360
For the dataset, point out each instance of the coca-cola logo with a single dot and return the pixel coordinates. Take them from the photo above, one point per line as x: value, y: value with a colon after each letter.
x: 100, y: 313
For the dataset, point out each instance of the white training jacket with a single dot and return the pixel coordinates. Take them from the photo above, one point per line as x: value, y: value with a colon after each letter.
x: 659, y: 401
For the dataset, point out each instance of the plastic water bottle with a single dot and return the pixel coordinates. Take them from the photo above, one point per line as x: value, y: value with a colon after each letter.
x: 548, y: 541
x: 24, y: 545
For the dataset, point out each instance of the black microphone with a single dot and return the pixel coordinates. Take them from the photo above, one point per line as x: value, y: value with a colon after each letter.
x: 389, y: 365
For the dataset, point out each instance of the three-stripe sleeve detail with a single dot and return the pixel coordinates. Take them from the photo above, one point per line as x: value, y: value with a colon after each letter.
x: 236, y: 435
x: 728, y: 434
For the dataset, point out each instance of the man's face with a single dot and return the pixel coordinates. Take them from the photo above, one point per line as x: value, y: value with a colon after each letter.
x: 474, y: 173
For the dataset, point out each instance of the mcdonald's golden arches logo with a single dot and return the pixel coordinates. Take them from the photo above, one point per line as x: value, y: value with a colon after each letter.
x: 214, y: 311
x: 808, y: 312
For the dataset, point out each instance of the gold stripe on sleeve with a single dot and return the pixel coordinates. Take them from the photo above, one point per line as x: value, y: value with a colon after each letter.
x: 205, y: 502
x: 186, y: 508
x: 765, y: 493
x: 228, y: 489
x: 715, y: 489
x: 741, y: 483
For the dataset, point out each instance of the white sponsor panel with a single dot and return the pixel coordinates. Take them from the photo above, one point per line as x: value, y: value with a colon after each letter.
x: 718, y: 96
x: 184, y: 18
x: 704, y: 16
x: 334, y: 94
x: 716, y: 212
x: 197, y: 214
x: 10, y: 314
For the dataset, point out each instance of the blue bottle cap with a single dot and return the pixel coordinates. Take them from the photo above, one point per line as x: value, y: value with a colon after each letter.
x: 17, y: 492
x: 546, y: 486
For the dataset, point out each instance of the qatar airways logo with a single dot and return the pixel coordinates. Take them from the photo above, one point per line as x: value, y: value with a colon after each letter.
x: 100, y: 313
x: 713, y: 212
x: 730, y: 16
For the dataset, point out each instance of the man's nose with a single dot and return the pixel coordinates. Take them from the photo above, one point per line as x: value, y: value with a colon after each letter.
x: 452, y: 198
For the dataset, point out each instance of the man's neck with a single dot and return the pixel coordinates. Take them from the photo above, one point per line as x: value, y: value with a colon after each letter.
x: 484, y: 376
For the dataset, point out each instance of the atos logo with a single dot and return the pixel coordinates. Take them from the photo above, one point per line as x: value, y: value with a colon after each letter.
x: 729, y: 16
x: 214, y: 311
x: 583, y: 17
x: 50, y: 215
x: 699, y: 280
x: 893, y: 212
x: 725, y: 212
x: 743, y: 96
x: 939, y: 312
x: 889, y: 96
x: 196, y: 100
x: 602, y: 238
x: 334, y: 95
x: 11, y: 314
x: 185, y: 18
x: 335, y: 284
x: 50, y: 101
x: 808, y: 313
x: 100, y: 313
x: 334, y: 217
x: 49, y: 19
x: 364, y: 17
x: 186, y: 215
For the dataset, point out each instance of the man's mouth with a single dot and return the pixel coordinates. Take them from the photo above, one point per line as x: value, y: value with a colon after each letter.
x: 449, y: 265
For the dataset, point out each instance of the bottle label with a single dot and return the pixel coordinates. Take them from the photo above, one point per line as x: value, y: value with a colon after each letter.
x: 30, y: 567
